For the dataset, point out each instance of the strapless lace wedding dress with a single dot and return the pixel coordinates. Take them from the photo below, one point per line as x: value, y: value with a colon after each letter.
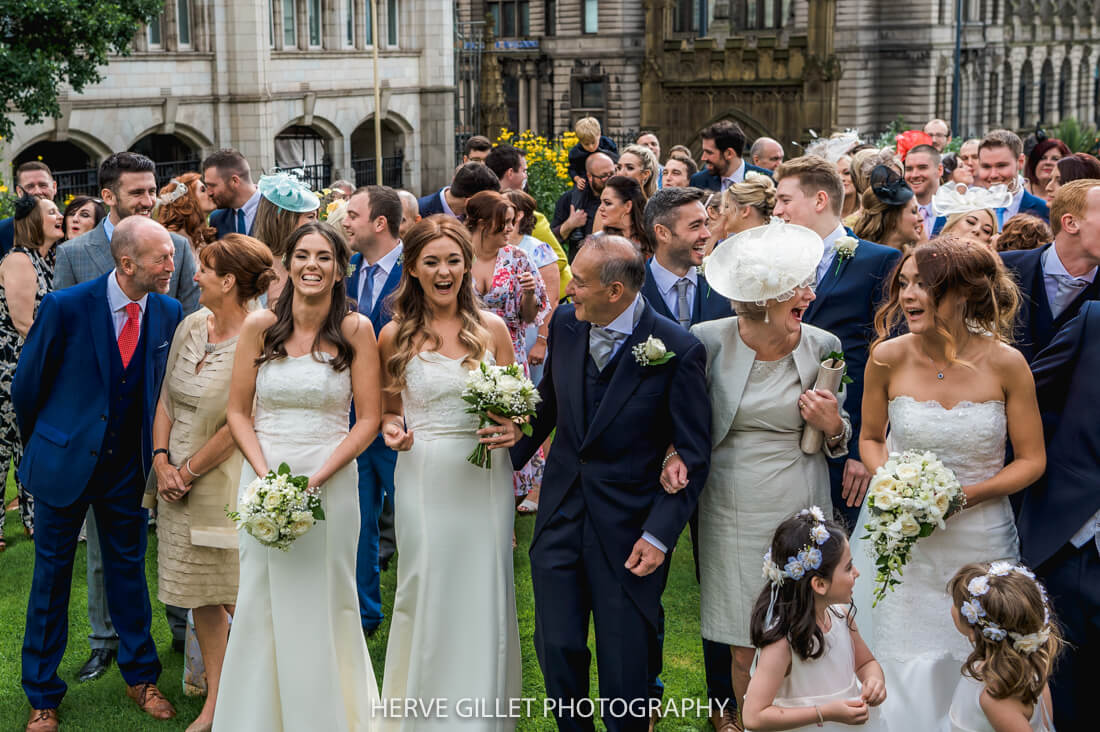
x: 297, y: 659
x: 911, y: 631
x: 454, y: 637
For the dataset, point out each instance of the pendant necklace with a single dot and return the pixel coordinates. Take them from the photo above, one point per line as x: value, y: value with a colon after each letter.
x: 939, y: 371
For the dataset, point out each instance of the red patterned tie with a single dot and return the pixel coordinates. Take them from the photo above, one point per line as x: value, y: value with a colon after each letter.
x: 128, y: 336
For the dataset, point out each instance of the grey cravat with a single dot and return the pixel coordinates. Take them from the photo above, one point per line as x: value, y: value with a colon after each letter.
x: 601, y: 344
x: 683, y: 309
x: 1068, y: 289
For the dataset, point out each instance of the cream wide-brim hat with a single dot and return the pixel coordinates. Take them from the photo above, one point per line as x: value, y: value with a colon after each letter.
x: 764, y: 262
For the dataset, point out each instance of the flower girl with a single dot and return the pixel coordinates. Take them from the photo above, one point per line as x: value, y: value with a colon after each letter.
x: 813, y: 669
x: 1005, y: 613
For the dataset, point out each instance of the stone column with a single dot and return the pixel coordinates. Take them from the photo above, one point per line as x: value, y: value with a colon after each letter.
x: 532, y: 72
x: 241, y: 67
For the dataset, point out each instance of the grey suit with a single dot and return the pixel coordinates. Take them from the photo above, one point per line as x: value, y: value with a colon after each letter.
x: 89, y: 256
x: 84, y: 258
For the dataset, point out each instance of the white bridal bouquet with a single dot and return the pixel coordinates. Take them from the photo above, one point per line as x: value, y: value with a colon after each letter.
x: 502, y: 390
x: 909, y: 497
x: 278, y: 508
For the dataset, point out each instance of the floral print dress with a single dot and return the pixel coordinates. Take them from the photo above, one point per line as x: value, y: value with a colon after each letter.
x: 503, y: 298
x: 11, y: 343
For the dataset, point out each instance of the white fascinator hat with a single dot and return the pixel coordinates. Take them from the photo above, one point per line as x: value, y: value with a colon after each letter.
x: 958, y: 199
x: 765, y: 263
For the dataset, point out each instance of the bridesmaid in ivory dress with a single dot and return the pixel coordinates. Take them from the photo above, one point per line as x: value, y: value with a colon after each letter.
x: 954, y: 386
x: 454, y: 633
x: 297, y: 659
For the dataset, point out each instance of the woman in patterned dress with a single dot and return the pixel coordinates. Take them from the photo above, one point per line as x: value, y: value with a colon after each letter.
x: 509, y: 284
x: 26, y: 275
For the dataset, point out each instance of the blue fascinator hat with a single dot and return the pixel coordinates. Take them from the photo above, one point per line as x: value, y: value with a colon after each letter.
x: 288, y: 193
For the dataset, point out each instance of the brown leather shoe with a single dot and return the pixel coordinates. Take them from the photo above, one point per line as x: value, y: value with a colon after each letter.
x: 151, y: 701
x: 725, y: 721
x: 43, y: 720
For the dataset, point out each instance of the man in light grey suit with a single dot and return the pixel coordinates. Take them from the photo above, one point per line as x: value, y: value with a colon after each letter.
x: 129, y: 188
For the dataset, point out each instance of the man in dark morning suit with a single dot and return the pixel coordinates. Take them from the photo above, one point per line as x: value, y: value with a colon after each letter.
x: 1059, y: 519
x: 372, y: 223
x: 1057, y: 278
x: 32, y: 177
x: 129, y: 188
x: 677, y: 222
x: 84, y: 393
x: 228, y: 181
x: 605, y: 525
x: 471, y: 178
x: 723, y: 164
x: 809, y: 192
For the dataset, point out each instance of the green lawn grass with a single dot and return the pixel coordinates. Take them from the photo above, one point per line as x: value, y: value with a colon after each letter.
x: 102, y: 706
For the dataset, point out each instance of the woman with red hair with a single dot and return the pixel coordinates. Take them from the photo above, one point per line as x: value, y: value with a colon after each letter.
x: 183, y: 207
x: 1040, y: 165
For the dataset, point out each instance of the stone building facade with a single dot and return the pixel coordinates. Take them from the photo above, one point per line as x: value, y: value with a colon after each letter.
x: 290, y: 83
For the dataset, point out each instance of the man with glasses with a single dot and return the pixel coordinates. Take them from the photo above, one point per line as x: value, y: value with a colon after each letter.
x: 575, y: 211
x: 940, y: 133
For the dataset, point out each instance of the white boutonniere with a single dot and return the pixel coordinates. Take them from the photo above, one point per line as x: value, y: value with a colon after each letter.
x: 701, y: 270
x: 351, y: 270
x: 845, y: 248
x: 652, y: 352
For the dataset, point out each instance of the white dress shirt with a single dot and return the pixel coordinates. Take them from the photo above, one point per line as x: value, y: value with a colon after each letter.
x: 385, y: 266
x: 250, y: 207
x: 443, y: 199
x: 117, y: 300
x: 666, y: 285
x: 829, y: 254
x: 736, y: 176
x: 928, y: 217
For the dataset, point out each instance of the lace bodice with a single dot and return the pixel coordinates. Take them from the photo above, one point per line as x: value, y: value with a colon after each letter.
x: 302, y: 399
x: 969, y: 438
x: 432, y: 397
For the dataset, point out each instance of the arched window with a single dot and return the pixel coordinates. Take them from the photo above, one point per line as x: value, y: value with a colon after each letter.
x: 1006, y: 95
x: 1065, y: 88
x: 1046, y: 91
x: 1084, y: 89
x: 1022, y: 104
x: 994, y: 90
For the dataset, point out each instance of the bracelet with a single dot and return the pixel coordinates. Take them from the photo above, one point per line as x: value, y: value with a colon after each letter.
x: 667, y: 458
x: 187, y: 465
x: 820, y: 719
x: 160, y: 450
x: 845, y: 434
x: 540, y: 336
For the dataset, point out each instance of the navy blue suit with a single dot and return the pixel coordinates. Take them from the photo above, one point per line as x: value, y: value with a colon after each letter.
x: 87, y: 425
x: 7, y: 235
x: 847, y: 298
x: 430, y: 204
x: 708, y: 305
x: 376, y: 465
x: 600, y: 493
x: 1035, y: 323
x: 710, y: 182
x: 1056, y: 507
x: 224, y: 220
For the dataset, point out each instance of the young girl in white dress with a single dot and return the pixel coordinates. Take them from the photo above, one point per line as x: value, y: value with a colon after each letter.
x: 1005, y: 613
x: 813, y: 669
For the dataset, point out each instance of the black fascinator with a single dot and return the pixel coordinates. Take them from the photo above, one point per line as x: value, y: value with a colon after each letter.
x: 889, y: 187
x: 24, y: 205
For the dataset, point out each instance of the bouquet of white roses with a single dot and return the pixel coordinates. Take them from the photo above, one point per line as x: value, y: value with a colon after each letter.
x: 909, y: 497
x: 278, y: 508
x: 504, y: 391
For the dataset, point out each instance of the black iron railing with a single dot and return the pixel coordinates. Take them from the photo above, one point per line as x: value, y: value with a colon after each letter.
x: 366, y: 173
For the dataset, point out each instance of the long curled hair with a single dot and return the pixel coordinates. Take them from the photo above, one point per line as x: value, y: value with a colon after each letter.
x: 1014, y: 603
x: 275, y: 337
x: 183, y: 214
x: 947, y: 265
x: 878, y: 220
x: 793, y: 617
x: 629, y: 190
x: 410, y: 308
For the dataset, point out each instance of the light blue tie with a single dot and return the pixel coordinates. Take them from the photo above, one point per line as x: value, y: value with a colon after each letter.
x: 367, y: 299
x: 1068, y: 289
x: 601, y: 344
x: 240, y: 222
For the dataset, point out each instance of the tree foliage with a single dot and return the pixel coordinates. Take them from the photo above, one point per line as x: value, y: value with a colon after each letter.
x: 47, y: 43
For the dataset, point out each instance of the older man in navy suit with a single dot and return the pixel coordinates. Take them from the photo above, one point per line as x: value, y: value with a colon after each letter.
x: 228, y: 181
x: 723, y: 164
x: 1059, y: 520
x: 809, y: 192
x: 84, y: 393
x: 1057, y: 278
x: 372, y: 224
x: 621, y: 385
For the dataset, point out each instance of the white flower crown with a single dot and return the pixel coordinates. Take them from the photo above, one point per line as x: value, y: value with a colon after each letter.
x: 174, y: 195
x: 809, y: 557
x: 975, y: 614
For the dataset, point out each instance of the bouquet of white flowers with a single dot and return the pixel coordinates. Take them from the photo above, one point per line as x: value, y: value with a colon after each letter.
x: 502, y: 390
x: 278, y: 508
x: 909, y: 497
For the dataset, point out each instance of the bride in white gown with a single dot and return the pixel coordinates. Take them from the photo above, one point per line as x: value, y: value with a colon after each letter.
x: 297, y: 659
x: 454, y: 634
x: 953, y: 386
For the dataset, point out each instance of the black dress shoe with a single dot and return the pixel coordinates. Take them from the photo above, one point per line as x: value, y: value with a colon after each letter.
x: 97, y: 665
